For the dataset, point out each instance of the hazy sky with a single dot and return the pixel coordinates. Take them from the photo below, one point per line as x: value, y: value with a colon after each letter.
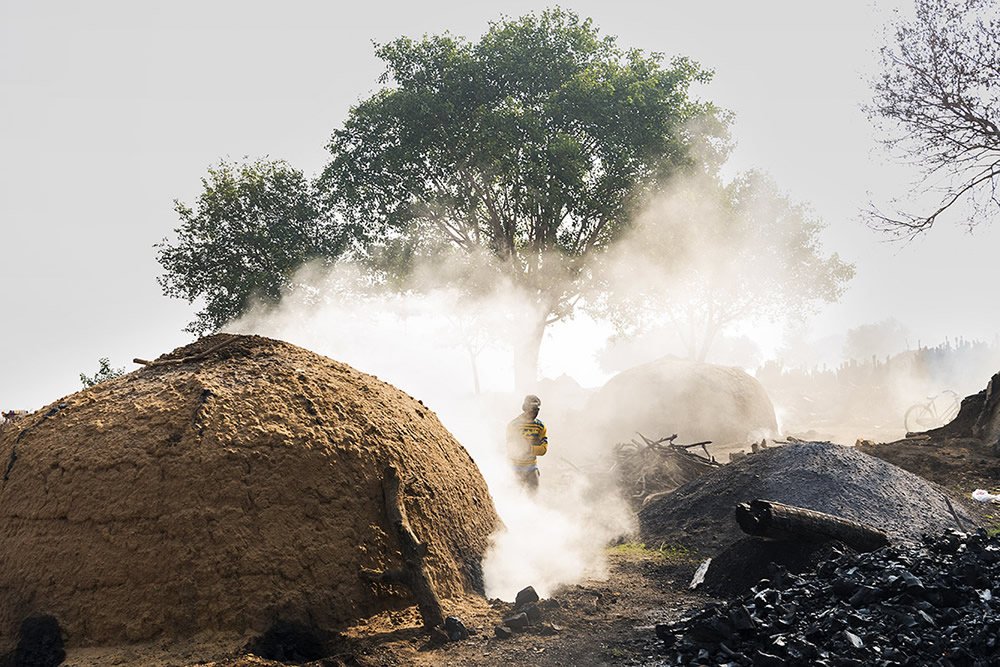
x: 110, y: 110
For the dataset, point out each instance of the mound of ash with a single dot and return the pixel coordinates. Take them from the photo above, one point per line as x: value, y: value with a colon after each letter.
x: 817, y: 476
x: 232, y: 484
x: 914, y: 606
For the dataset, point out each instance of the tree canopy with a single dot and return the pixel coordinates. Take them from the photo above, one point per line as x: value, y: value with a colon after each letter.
x: 104, y: 372
x: 530, y: 149
x: 712, y: 255
x: 253, y: 225
x: 937, y: 100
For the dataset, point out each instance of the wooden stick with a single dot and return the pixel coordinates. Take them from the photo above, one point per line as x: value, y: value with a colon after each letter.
x: 196, y: 357
x: 413, y: 552
x: 954, y: 513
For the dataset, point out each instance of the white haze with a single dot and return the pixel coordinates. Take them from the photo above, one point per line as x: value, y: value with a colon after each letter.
x: 420, y: 340
x: 413, y: 341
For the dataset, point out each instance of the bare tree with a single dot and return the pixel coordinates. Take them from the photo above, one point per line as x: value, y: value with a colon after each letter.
x: 936, y: 101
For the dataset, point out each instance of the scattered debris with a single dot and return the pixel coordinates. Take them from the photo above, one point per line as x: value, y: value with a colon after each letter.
x: 528, y: 613
x: 652, y: 468
x: 984, y: 496
x: 699, y: 574
x: 748, y: 560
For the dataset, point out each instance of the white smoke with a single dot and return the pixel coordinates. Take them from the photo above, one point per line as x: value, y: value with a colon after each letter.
x: 434, y: 344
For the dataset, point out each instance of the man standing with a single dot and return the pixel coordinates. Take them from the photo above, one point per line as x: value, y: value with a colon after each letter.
x: 527, y: 440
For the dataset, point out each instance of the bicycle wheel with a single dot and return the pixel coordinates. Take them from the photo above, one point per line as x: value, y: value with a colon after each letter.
x: 919, y: 418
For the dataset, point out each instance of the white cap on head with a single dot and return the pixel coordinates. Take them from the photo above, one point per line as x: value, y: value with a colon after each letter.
x: 531, y: 401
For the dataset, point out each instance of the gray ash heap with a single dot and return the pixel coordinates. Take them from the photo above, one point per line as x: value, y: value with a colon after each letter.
x: 931, y: 605
x: 817, y: 476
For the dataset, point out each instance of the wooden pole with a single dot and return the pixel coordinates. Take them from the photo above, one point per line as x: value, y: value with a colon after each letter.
x: 413, y: 552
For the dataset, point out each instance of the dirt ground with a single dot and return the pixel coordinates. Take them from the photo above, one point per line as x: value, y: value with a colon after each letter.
x: 609, y: 622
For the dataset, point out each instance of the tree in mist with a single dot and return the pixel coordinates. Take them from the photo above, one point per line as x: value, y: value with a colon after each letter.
x: 529, y: 150
x: 711, y: 256
x: 104, y: 372
x: 253, y: 225
x: 881, y: 339
x: 937, y: 100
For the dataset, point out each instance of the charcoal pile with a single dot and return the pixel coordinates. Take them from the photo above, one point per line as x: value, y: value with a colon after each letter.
x: 740, y: 566
x: 928, y: 605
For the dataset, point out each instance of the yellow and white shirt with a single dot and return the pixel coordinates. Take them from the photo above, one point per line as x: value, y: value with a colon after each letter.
x: 526, y: 440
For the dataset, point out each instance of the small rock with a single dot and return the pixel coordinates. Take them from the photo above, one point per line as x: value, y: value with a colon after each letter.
x: 517, y: 622
x: 854, y: 640
x: 665, y: 633
x: 549, y: 629
x: 502, y: 632
x: 455, y: 629
x: 525, y: 596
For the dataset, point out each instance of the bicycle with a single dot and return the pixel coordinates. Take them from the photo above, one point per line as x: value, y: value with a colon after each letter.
x: 936, y: 412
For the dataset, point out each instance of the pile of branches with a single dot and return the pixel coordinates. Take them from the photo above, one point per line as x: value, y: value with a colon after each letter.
x: 649, y: 469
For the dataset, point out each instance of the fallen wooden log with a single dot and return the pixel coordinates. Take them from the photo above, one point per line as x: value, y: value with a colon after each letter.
x: 769, y: 519
x: 414, y: 574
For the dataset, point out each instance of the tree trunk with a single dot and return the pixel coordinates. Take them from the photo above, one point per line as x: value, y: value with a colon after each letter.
x: 475, y: 367
x: 526, y: 358
x: 711, y: 331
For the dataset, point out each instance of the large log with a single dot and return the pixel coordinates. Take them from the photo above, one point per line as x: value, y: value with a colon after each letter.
x: 413, y: 553
x: 766, y: 518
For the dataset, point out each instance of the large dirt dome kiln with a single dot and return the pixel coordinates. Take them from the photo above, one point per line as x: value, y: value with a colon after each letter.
x: 230, y: 484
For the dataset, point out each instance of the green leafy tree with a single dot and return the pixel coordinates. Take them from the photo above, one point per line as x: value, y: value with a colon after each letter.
x: 104, y: 372
x: 529, y: 150
x: 712, y: 256
x: 253, y: 225
x: 937, y: 102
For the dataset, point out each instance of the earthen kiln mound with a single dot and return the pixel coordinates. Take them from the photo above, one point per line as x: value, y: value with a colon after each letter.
x: 696, y: 401
x: 225, y: 494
